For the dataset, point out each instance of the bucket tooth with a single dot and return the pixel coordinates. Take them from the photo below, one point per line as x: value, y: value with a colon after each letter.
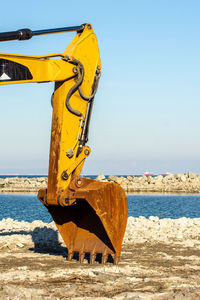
x: 92, y: 258
x: 70, y: 256
x: 116, y: 260
x: 81, y: 257
x: 104, y: 258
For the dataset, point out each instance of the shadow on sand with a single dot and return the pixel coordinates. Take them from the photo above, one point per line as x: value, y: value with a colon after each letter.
x: 46, y: 242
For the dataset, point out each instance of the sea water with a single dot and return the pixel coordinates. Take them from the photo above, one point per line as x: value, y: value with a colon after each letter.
x: 26, y: 207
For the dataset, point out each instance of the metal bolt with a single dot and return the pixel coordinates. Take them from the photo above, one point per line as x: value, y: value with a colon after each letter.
x: 87, y: 152
x: 75, y: 70
x: 79, y: 182
x: 98, y: 70
x: 70, y: 153
x: 64, y: 175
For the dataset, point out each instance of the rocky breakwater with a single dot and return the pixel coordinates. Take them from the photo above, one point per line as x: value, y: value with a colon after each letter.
x: 22, y: 184
x: 173, y: 183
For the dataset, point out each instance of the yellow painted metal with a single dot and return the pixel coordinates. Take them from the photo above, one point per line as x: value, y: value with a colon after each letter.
x: 42, y: 68
x: 79, y: 161
x: 66, y: 127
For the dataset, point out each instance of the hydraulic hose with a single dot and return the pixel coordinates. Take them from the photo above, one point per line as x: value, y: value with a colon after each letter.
x: 75, y: 87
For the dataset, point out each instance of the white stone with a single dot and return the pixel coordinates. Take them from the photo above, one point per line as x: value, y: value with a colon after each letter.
x: 100, y: 177
x: 20, y: 245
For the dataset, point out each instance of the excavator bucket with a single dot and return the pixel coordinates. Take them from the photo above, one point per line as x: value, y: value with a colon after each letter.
x: 92, y: 219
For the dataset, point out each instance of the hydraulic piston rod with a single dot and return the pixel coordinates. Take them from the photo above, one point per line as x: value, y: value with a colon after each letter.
x: 26, y: 34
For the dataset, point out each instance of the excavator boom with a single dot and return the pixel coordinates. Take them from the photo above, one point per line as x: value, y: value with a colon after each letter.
x: 91, y: 216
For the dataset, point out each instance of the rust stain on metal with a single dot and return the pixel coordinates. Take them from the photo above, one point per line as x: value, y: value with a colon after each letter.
x: 54, y: 158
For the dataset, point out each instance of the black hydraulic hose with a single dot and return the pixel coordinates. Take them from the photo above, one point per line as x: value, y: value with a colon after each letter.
x: 75, y: 88
x: 85, y: 131
x: 80, y: 75
x: 94, y: 87
x: 91, y: 96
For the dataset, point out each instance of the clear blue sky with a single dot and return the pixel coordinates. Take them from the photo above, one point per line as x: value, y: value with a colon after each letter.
x: 147, y: 111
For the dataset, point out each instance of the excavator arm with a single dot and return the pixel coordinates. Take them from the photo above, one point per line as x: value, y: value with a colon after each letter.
x: 91, y: 216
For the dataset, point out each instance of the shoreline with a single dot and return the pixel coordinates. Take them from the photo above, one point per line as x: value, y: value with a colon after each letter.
x: 173, y: 183
x: 21, y: 192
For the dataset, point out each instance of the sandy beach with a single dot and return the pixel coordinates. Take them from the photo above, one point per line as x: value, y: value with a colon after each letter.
x: 160, y: 260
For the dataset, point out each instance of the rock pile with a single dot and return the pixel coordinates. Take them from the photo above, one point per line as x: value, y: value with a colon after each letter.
x: 176, y: 183
x: 22, y: 184
x: 141, y: 230
x: 14, y: 234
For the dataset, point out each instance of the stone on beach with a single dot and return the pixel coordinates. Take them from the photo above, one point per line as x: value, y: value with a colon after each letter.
x: 21, y: 234
x: 160, y: 260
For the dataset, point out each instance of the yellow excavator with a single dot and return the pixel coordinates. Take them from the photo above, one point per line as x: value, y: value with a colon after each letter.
x: 91, y: 216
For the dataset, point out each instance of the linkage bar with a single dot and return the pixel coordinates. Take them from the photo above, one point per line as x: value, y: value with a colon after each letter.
x: 26, y: 34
